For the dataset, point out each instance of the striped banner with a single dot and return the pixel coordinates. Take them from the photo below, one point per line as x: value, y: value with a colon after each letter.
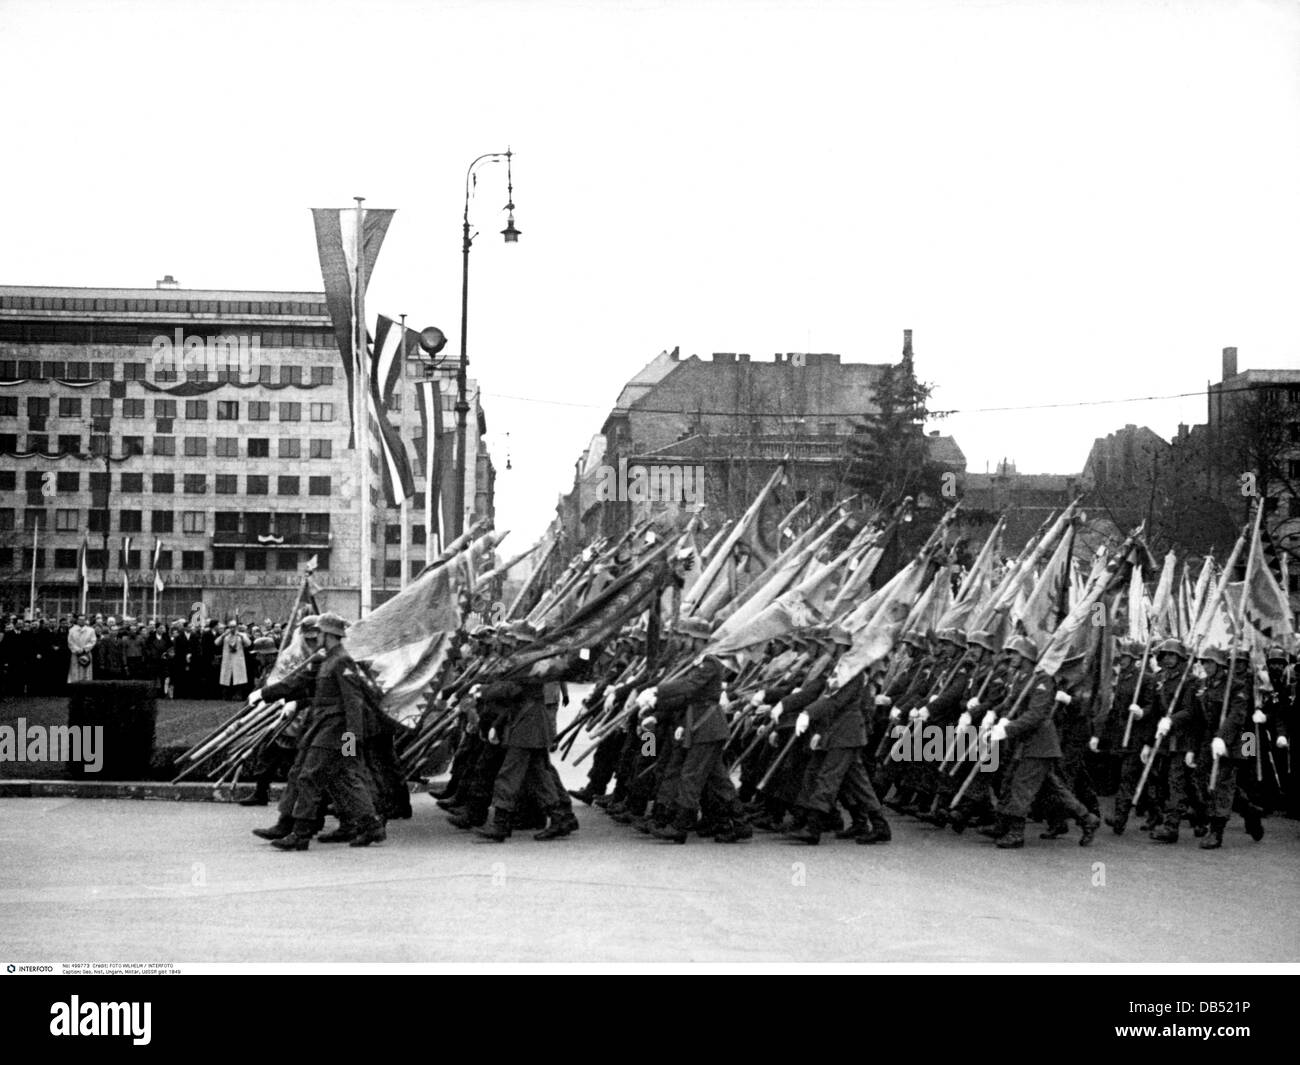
x: 336, y: 243
x: 429, y: 396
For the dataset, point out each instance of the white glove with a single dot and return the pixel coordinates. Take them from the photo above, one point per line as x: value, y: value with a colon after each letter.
x: 923, y: 715
x: 777, y: 711
x: 758, y: 698
x: 1259, y: 717
x: 647, y: 699
x: 681, y: 731
x: 1164, y: 725
x: 895, y: 714
x: 1137, y: 711
x: 492, y: 737
x: 1282, y: 743
x: 773, y: 740
x: 610, y: 697
x: 964, y: 721
x: 255, y: 696
x: 999, y: 732
x: 1145, y: 754
x: 648, y: 724
x: 801, y: 724
x: 1189, y: 760
x: 1064, y: 698
x: 913, y: 714
x: 933, y: 698
x: 1094, y: 744
x: 1219, y: 748
x: 815, y: 742
x: 987, y: 721
x: 884, y: 700
x: 972, y: 705
x: 476, y: 691
x: 290, y: 708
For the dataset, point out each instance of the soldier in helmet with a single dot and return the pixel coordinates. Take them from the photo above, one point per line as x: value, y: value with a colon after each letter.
x: 1280, y: 708
x: 1224, y: 705
x: 1181, y: 729
x: 333, y: 736
x: 690, y: 705
x: 296, y: 689
x: 1134, y: 699
x: 1038, y: 758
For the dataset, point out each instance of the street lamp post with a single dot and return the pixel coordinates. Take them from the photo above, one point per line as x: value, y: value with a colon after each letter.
x: 511, y: 235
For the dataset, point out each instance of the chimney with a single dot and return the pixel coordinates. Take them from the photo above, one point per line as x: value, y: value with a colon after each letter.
x: 1182, y: 432
x: 743, y: 357
x: 1229, y: 363
x: 907, y: 345
x: 167, y: 281
x: 724, y: 356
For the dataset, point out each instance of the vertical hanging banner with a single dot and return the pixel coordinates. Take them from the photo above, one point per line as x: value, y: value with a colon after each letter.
x: 385, y: 373
x: 429, y: 396
x: 336, y: 242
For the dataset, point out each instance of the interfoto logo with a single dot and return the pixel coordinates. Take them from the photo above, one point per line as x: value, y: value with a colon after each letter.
x: 228, y: 353
x: 21, y: 742
x: 102, y: 1018
x: 650, y: 484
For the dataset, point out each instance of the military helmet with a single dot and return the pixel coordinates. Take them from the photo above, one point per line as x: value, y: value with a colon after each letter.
x: 1214, y: 654
x: 264, y: 645
x: 310, y: 622
x: 982, y: 638
x: 1275, y: 654
x: 1173, y: 646
x: 1130, y: 649
x: 1024, y: 647
x: 333, y: 625
x: 916, y: 638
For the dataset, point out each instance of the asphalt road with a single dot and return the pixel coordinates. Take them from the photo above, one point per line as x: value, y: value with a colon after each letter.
x: 91, y: 880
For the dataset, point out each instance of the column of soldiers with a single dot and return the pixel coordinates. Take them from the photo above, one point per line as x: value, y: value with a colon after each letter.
x: 1014, y: 743
x: 952, y: 731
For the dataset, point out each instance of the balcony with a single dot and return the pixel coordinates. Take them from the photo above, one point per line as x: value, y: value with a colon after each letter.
x: 299, y: 541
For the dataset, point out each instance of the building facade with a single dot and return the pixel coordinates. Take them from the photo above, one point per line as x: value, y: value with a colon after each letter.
x: 214, y: 423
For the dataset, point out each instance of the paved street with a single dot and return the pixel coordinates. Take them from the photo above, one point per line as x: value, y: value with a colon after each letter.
x: 87, y: 880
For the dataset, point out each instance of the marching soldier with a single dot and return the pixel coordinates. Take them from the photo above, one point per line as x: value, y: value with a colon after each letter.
x: 1181, y: 729
x: 332, y: 737
x: 1038, y: 765
x: 1134, y: 697
x: 1224, y: 706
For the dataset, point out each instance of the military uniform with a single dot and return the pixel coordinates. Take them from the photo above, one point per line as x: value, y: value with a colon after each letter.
x: 1109, y: 728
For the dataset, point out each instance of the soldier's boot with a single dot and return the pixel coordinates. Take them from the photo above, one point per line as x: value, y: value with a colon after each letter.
x: 810, y: 831
x: 1088, y: 823
x: 1214, y: 840
x: 473, y: 816
x: 878, y: 832
x: 369, y: 830
x: 1200, y: 826
x: 1153, y: 821
x: 299, y: 838
x: 676, y: 830
x: 1014, y: 837
x: 585, y: 795
x: 499, y: 830
x: 277, y: 831
x: 1254, y: 822
x: 1056, y: 828
x: 708, y: 826
x: 260, y: 797
x: 1001, y: 825
x: 1119, y: 821
x: 645, y: 824
x: 602, y: 802
x: 450, y: 803
x: 857, y: 827
x: 735, y: 830
x: 563, y: 823
x: 1165, y: 833
x: 933, y: 813
x: 627, y: 814
x: 345, y: 833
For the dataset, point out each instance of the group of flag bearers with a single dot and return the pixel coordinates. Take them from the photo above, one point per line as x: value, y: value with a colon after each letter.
x: 806, y: 696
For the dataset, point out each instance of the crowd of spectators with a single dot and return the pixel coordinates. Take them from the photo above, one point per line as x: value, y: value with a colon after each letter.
x: 183, y: 659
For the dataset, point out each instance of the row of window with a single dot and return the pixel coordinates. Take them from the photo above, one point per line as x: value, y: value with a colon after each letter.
x: 227, y: 410
x: 225, y: 523
x: 161, y: 304
x: 224, y: 484
x: 267, y: 374
x: 224, y: 447
x: 254, y: 561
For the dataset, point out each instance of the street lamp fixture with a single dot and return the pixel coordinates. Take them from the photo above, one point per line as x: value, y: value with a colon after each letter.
x: 511, y: 235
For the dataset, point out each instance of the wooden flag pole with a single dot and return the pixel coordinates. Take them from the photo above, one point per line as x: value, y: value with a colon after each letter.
x: 362, y: 406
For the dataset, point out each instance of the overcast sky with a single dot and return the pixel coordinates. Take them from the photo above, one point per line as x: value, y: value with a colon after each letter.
x: 1066, y: 202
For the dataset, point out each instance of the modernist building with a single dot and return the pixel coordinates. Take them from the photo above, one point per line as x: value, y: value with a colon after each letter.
x: 215, y: 422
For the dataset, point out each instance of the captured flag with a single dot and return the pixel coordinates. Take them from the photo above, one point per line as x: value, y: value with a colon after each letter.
x: 158, y: 585
x: 336, y: 243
